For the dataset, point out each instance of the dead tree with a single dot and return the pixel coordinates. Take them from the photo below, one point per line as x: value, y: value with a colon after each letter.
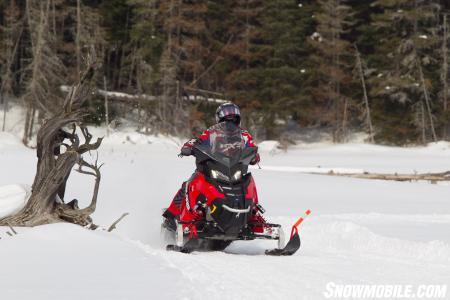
x: 366, y: 100
x: 58, y: 152
x: 427, y: 100
x: 444, y: 73
x: 45, y: 70
x: 12, y: 30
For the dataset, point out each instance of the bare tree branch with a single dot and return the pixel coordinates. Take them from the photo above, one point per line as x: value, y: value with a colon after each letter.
x: 113, y: 225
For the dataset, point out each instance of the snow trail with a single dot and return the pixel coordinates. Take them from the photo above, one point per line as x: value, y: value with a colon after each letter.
x: 360, y: 231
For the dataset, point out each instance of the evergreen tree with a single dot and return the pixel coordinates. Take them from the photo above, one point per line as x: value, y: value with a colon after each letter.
x: 405, y: 55
x: 116, y: 21
x: 335, y: 60
x: 268, y: 63
x: 242, y: 55
x: 187, y: 43
x: 284, y: 62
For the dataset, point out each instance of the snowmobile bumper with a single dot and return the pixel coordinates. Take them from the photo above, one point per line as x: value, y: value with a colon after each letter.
x: 273, y: 232
x: 211, y: 233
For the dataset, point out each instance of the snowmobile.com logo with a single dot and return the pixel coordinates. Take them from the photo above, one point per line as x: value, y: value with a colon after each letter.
x: 384, y: 291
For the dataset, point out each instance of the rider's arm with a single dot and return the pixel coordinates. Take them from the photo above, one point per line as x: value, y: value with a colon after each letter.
x: 186, y: 150
x: 250, y: 143
x: 248, y: 138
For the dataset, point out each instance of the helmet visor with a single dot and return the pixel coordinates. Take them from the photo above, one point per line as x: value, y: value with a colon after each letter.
x: 228, y: 110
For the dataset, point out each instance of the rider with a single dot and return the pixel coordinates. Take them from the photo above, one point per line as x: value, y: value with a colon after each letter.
x: 227, y: 112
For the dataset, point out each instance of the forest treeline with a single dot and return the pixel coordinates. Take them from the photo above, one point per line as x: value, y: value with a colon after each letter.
x: 379, y: 66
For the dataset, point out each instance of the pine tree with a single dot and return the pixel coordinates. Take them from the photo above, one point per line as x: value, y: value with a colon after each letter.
x: 265, y: 60
x: 444, y: 76
x: 405, y: 56
x: 187, y: 44
x: 116, y: 22
x: 335, y: 61
x: 146, y: 44
x: 142, y: 62
x: 241, y: 52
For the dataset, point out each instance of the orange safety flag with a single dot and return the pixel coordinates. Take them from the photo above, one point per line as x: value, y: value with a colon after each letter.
x: 299, y: 221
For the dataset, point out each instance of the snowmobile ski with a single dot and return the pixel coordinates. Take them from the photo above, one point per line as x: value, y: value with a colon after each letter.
x: 294, y: 242
x: 190, y: 246
x: 291, y: 247
x: 176, y: 248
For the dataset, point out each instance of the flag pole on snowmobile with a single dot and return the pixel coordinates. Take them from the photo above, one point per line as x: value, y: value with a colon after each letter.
x: 294, y: 242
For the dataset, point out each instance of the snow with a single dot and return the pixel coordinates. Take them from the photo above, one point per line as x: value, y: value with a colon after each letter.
x: 12, y: 198
x: 14, y: 124
x: 67, y: 262
x: 360, y: 231
x: 196, y: 98
x: 132, y: 97
x: 313, y: 170
x: 316, y: 36
x: 8, y: 140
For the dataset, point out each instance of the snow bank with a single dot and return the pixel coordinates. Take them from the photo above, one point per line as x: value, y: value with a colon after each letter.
x: 63, y: 261
x: 312, y: 170
x: 272, y: 147
x: 9, y: 140
x: 12, y: 199
x: 349, y: 237
x: 15, y: 123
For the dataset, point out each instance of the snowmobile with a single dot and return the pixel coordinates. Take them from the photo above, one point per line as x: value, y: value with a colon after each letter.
x: 220, y: 203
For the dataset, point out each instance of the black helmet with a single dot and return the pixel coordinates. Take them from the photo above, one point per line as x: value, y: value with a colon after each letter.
x: 228, y: 111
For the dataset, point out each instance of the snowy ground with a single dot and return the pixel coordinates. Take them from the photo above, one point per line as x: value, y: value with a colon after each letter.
x: 360, y: 231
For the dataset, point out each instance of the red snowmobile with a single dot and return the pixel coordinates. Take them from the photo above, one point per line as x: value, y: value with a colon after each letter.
x: 220, y: 204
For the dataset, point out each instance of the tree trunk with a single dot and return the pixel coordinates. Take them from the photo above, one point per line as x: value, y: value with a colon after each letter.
x: 366, y: 99
x: 54, y: 166
x: 5, y: 110
x: 106, y: 106
x: 78, y: 40
x: 427, y: 101
x: 423, y: 123
x: 444, y: 76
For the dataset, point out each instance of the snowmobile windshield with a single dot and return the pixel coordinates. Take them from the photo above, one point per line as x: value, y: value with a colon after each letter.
x: 226, y: 139
x: 226, y: 144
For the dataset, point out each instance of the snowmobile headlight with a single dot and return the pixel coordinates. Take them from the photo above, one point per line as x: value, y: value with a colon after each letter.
x: 219, y: 175
x: 237, y: 176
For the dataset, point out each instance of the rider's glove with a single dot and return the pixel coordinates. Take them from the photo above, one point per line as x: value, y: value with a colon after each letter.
x: 196, y: 215
x: 256, y: 159
x: 186, y: 150
x: 192, y: 230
